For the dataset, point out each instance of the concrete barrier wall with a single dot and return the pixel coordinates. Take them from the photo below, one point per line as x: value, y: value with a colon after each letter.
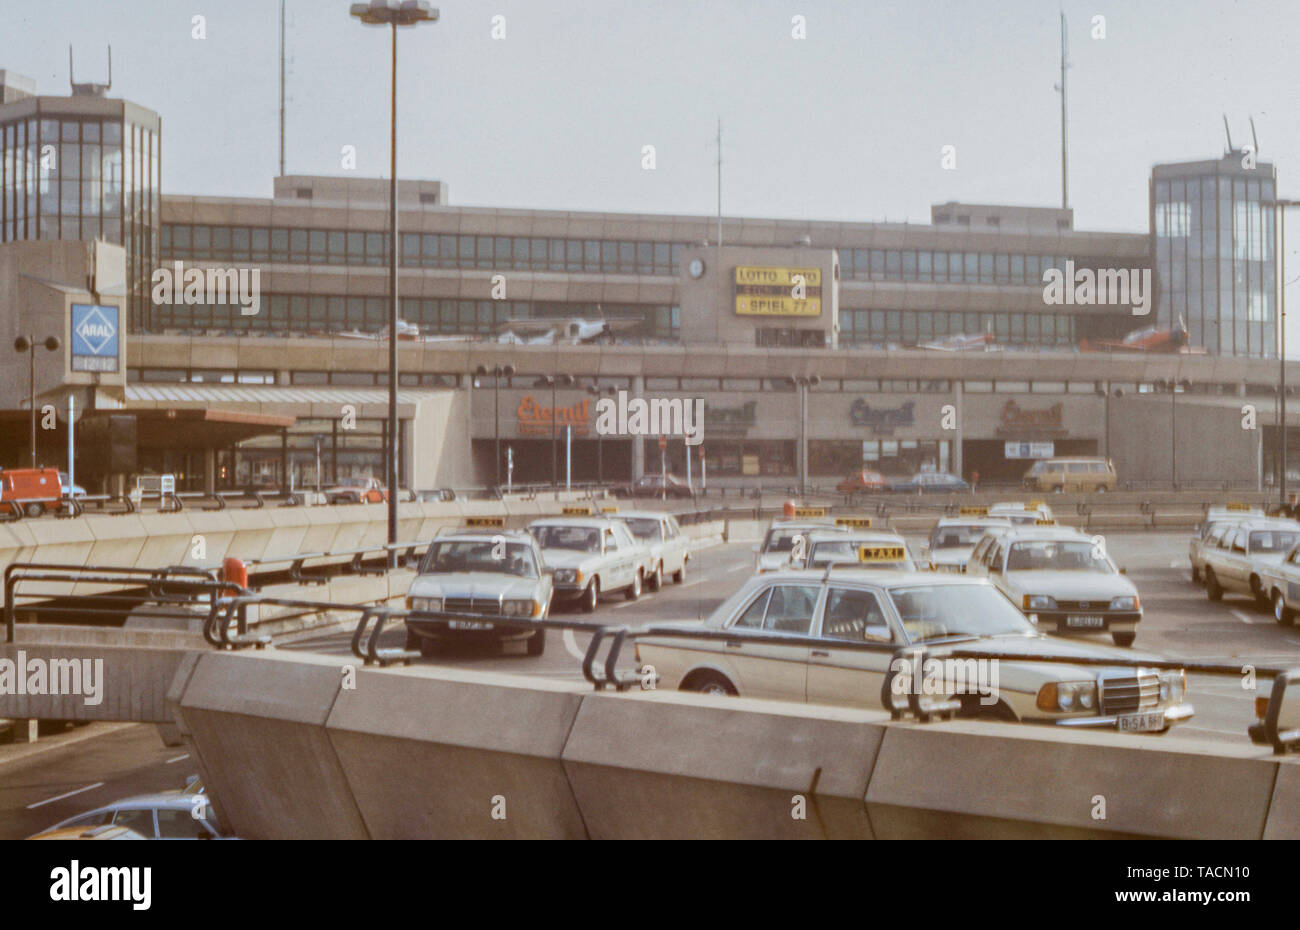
x: 288, y: 751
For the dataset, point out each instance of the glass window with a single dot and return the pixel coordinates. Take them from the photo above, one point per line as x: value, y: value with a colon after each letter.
x: 174, y: 824
x: 752, y: 618
x: 790, y: 609
x: 137, y: 819
x: 855, y: 616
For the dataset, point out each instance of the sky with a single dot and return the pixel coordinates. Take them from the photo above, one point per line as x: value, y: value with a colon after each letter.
x: 849, y: 122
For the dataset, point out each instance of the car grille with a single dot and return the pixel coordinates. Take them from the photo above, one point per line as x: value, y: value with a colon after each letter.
x: 1093, y: 606
x: 1125, y: 694
x: 469, y: 605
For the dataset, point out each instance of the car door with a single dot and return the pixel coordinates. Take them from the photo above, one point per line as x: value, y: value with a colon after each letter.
x: 850, y: 677
x: 773, y: 669
x: 1236, y: 565
x: 674, y: 546
x: 617, y: 560
x: 1289, y: 576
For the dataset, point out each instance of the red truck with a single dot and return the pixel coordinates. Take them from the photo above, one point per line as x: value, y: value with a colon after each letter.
x: 35, y: 490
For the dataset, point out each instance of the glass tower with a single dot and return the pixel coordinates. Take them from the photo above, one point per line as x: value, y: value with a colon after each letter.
x: 83, y: 168
x: 1214, y: 242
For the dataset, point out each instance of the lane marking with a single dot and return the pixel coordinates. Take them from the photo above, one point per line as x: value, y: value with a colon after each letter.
x: 571, y: 644
x: 178, y: 759
x: 1251, y: 620
x: 98, y: 784
x: 738, y: 568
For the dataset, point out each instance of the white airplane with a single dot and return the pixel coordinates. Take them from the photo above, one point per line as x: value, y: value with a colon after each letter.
x: 573, y: 331
x: 979, y: 342
x: 406, y: 332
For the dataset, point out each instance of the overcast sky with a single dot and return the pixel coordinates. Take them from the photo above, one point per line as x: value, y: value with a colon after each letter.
x: 848, y: 123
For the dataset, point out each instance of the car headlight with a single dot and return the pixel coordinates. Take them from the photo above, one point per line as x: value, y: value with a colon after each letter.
x: 1173, y: 686
x: 424, y: 603
x: 1128, y: 602
x: 517, y: 608
x: 566, y: 575
x: 1067, y: 696
x: 1039, y: 602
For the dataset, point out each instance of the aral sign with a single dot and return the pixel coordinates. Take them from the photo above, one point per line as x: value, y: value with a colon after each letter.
x: 95, y: 333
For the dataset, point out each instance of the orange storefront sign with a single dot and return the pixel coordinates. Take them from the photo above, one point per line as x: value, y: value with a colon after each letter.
x: 534, y: 419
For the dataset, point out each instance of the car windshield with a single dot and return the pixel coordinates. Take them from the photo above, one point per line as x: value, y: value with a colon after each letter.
x: 938, y: 611
x: 459, y: 556
x: 782, y: 540
x: 1039, y: 468
x: 956, y: 537
x: 846, y: 550
x: 644, y: 528
x: 1272, y: 540
x: 1058, y: 555
x: 576, y: 538
x: 354, y: 482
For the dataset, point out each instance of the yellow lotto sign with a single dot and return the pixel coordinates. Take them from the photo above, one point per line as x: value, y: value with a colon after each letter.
x: 863, y: 523
x: 810, y: 511
x: 485, y: 522
x: 576, y: 511
x: 762, y: 291
x: 881, y: 553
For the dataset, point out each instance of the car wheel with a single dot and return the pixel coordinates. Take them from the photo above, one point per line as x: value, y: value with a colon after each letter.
x: 680, y: 575
x: 656, y: 580
x: 1196, y: 575
x: 1124, y: 639
x: 633, y: 590
x: 34, y: 509
x: 1282, y: 613
x: 1213, y: 590
x: 429, y: 647
x: 537, y: 643
x: 1260, y: 595
x: 711, y: 683
x: 591, y: 596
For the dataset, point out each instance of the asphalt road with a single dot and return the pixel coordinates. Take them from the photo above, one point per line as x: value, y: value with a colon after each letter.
x: 104, y: 762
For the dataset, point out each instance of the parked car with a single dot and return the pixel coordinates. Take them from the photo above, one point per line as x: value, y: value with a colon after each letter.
x: 167, y: 815
x: 357, y: 490
x: 1060, y: 577
x: 862, y: 482
x: 1206, y: 535
x: 930, y: 481
x: 897, y: 610
x: 1235, y: 562
x: 953, y: 539
x: 67, y: 488
x: 867, y: 549
x: 656, y: 486
x: 1280, y: 583
x: 1019, y: 513
x: 669, y: 548
x: 784, y: 536
x: 1075, y: 473
x: 466, y: 578
x: 589, y: 556
x: 36, y: 489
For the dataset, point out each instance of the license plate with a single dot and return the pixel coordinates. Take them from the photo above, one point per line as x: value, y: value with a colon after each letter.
x: 468, y: 625
x: 1141, y: 723
x: 1088, y: 622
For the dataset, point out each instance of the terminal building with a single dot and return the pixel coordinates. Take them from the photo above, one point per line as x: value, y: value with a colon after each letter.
x: 239, y: 342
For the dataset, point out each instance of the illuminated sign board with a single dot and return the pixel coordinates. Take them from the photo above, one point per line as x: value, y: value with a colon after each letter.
x: 94, y: 337
x: 764, y: 291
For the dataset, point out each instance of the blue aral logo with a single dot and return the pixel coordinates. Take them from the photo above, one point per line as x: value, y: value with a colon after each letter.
x: 96, y: 331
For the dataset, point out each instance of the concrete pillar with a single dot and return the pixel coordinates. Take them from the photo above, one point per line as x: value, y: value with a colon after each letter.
x: 955, y: 457
x: 638, y: 443
x: 25, y: 731
x: 209, y: 470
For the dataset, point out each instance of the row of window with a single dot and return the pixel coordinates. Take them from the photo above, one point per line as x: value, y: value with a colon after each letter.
x: 909, y: 326
x: 255, y: 376
x: 957, y: 267
x: 428, y: 250
x: 826, y: 457
x: 320, y: 313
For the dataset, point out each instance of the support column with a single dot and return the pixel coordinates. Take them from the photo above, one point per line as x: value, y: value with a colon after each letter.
x: 209, y: 470
x: 25, y: 731
x: 955, y: 456
x: 638, y: 442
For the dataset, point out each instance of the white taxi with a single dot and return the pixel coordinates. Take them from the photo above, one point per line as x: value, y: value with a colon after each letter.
x: 589, y: 556
x: 1064, y: 578
x: 1019, y: 513
x: 669, y: 548
x: 869, y: 549
x: 953, y: 539
x: 831, y: 637
x: 783, y: 536
x: 1239, y: 555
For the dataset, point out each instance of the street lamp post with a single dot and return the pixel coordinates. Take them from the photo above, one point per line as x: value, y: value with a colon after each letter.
x: 552, y: 381
x: 595, y: 389
x: 498, y: 372
x: 803, y: 383
x: 393, y: 13
x: 28, y: 344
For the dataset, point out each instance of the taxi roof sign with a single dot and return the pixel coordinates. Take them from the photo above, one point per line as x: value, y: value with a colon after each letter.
x: 1038, y: 502
x: 809, y: 512
x: 973, y: 511
x: 1237, y: 505
x: 498, y: 523
x: 609, y: 508
x: 576, y: 511
x: 863, y: 523
x: 1041, y: 522
x: 881, y: 553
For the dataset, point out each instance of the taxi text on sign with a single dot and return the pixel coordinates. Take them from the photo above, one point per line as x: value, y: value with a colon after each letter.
x: 762, y: 291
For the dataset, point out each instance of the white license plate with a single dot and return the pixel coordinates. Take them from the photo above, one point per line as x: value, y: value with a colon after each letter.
x: 1085, y: 622
x: 1141, y: 723
x: 468, y: 625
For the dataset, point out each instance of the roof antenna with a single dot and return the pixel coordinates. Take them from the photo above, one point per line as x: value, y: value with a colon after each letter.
x: 1228, y: 133
x: 90, y: 89
x: 1254, y: 138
